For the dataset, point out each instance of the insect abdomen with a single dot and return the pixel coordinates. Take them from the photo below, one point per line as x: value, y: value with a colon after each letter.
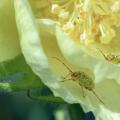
x: 86, y: 81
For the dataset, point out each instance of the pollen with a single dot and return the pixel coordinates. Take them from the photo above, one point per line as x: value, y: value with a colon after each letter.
x: 88, y: 21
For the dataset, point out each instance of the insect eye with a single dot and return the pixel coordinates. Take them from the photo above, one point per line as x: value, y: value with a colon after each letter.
x: 75, y: 74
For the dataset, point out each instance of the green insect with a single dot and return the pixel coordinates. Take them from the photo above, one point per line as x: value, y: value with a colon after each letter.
x: 111, y: 57
x: 82, y: 79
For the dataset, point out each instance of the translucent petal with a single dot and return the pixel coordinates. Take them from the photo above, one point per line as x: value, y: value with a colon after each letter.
x: 9, y: 41
x: 105, y: 114
x: 106, y: 74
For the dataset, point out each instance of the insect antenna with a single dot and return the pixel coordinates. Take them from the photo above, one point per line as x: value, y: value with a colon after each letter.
x: 97, y: 96
x: 103, y: 54
x: 63, y: 64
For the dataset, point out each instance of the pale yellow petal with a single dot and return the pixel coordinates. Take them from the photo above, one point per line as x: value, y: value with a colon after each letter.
x: 9, y: 41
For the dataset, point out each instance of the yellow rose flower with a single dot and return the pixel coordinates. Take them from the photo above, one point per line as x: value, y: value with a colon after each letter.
x: 52, y: 35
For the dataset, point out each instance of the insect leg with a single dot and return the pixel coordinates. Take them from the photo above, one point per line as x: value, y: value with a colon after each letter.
x: 83, y: 91
x: 63, y: 64
x: 97, y: 96
x: 103, y: 54
x: 66, y: 78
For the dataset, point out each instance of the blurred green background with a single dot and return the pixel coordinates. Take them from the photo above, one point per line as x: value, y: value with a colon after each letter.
x: 18, y: 106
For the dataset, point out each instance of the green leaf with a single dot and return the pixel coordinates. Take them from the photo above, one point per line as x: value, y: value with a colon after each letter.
x: 15, y: 74
x: 49, y: 99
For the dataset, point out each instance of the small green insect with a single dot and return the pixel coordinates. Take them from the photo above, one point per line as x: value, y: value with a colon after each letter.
x: 111, y: 57
x: 82, y: 79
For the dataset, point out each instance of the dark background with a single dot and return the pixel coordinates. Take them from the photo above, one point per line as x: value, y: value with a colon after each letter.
x: 18, y: 106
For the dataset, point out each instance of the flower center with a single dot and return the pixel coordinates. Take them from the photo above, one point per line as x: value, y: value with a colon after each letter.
x: 88, y: 20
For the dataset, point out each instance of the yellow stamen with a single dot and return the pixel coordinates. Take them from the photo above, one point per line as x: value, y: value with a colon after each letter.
x: 89, y: 19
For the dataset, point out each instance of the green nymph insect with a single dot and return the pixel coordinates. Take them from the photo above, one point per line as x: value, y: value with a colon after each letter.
x: 111, y: 57
x: 82, y: 79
